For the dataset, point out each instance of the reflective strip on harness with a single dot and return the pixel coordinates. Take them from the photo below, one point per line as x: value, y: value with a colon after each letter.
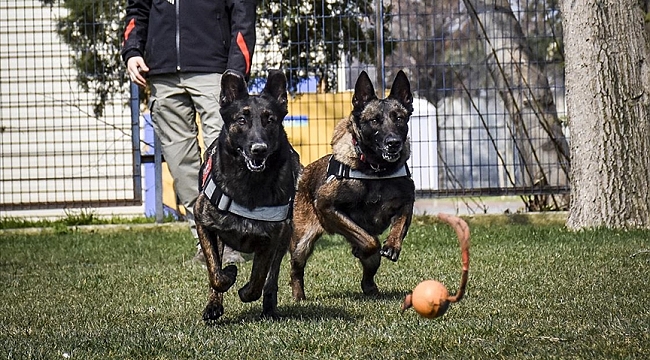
x: 339, y: 170
x: 224, y: 203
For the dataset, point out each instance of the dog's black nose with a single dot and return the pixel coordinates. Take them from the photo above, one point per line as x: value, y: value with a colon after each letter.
x: 259, y: 149
x: 393, y: 143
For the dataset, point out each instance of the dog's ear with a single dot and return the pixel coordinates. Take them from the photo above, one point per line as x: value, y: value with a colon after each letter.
x: 276, y: 86
x: 233, y: 87
x: 401, y: 90
x: 364, y: 92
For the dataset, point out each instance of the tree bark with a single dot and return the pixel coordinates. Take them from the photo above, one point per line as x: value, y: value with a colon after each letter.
x: 524, y: 88
x: 608, y: 104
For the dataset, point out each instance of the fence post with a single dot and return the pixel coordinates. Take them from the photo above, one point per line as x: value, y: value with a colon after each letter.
x: 379, y: 47
x: 135, y: 141
x: 157, y: 156
x: 137, y: 156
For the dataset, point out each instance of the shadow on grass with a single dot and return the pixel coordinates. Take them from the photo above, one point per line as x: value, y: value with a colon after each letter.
x: 312, y: 311
x: 302, y: 312
x: 359, y: 296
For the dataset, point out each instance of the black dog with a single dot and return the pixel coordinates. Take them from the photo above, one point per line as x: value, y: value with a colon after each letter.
x: 247, y: 185
x: 362, y: 188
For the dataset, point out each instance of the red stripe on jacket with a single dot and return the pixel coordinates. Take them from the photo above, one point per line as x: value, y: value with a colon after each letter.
x: 129, y: 28
x: 244, y: 50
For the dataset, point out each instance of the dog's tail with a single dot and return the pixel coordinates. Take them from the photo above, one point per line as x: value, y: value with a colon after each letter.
x: 462, y: 231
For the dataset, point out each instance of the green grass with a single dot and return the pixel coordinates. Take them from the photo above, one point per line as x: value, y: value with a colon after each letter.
x: 73, y: 219
x: 535, y: 291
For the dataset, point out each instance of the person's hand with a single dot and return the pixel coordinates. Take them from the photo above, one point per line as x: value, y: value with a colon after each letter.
x: 136, y: 68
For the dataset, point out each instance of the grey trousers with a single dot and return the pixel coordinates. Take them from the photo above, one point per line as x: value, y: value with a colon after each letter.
x: 175, y: 101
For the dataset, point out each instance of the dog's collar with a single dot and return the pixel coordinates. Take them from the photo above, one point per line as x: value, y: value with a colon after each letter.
x: 224, y: 203
x: 357, y: 148
x: 336, y: 169
x: 362, y: 156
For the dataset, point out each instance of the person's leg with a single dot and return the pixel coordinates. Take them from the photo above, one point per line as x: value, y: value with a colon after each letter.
x: 205, y: 89
x: 174, y: 119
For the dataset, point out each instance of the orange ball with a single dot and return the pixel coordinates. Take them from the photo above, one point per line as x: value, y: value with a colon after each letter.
x: 429, y: 299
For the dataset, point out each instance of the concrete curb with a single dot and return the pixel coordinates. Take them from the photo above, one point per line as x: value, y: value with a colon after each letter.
x: 536, y: 218
x: 179, y: 225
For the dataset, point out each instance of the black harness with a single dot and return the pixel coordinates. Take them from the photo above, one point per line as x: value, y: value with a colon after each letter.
x: 338, y: 170
x: 224, y: 203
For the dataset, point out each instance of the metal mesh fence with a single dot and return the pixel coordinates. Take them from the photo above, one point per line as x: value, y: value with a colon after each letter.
x: 55, y: 152
x: 487, y: 76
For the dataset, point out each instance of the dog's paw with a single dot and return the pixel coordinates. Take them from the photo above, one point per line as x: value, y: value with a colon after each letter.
x: 298, y: 293
x: 248, y: 294
x: 225, y: 279
x: 369, y: 288
x: 231, y: 272
x: 270, y: 315
x: 390, y: 253
x: 213, y: 311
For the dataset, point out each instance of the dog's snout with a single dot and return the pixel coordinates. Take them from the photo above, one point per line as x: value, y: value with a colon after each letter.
x: 393, y: 143
x: 259, y: 148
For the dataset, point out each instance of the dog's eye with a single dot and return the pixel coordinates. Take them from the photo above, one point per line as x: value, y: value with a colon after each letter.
x: 375, y: 121
x: 241, y: 120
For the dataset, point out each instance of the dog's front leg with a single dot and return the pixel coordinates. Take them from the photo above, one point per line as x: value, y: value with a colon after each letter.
x: 335, y: 221
x: 261, y: 263
x: 398, y: 229
x: 220, y: 280
x: 270, y: 300
x: 214, y: 309
x: 364, y: 246
x: 307, y: 230
x: 370, y: 266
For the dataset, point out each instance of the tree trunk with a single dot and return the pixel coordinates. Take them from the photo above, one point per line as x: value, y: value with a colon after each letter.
x: 608, y: 104
x: 524, y: 89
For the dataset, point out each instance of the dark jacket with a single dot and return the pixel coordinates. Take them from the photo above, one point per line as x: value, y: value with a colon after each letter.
x: 191, y: 35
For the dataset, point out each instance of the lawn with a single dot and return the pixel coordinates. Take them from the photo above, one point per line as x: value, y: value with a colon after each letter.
x: 535, y: 291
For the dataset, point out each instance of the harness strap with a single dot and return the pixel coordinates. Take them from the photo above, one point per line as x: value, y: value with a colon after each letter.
x: 336, y: 169
x: 224, y: 203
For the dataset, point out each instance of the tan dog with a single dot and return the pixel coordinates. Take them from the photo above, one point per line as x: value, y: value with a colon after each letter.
x: 363, y: 188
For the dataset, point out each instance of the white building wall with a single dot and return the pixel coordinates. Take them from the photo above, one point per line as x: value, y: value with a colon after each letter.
x: 52, y: 148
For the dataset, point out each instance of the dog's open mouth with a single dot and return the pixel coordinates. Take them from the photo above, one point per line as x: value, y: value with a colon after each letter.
x: 390, y: 157
x: 391, y: 148
x: 252, y: 163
